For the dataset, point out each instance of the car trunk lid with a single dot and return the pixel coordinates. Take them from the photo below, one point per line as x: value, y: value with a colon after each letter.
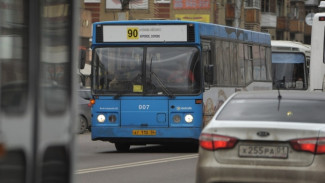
x: 266, y: 144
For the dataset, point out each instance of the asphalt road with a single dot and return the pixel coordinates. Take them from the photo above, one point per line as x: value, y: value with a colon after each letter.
x: 99, y: 162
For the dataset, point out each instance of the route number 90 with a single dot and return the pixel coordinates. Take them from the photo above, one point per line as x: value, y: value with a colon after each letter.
x: 132, y: 33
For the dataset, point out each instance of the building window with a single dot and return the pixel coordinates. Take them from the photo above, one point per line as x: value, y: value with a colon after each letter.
x: 265, y: 6
x: 252, y: 4
x: 294, y: 12
x: 268, y: 6
x: 292, y: 36
x: 229, y: 22
x: 279, y: 35
x: 280, y: 8
x: 162, y: 1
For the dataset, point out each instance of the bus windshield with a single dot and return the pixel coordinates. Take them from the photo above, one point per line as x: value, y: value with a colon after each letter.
x: 146, y: 70
x: 289, y: 71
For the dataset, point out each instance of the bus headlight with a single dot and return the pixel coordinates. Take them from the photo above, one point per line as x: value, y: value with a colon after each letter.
x: 101, y: 118
x: 177, y: 118
x: 188, y: 118
x: 112, y: 118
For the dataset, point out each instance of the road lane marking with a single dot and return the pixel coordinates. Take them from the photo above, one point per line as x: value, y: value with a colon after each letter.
x: 134, y: 164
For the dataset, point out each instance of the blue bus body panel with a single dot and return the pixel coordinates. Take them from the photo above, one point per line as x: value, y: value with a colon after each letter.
x: 231, y: 33
x: 113, y: 107
x: 182, y: 108
x: 109, y: 133
x: 208, y: 30
x: 148, y: 113
x: 240, y: 35
x: 151, y: 113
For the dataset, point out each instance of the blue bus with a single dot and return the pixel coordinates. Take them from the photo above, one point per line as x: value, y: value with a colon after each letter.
x: 160, y: 81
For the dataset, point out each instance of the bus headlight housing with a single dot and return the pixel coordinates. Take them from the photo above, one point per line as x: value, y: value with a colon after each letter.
x: 177, y: 118
x: 101, y: 118
x: 112, y: 118
x: 189, y: 118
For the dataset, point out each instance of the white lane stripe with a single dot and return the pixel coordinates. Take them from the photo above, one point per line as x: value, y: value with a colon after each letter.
x: 140, y: 163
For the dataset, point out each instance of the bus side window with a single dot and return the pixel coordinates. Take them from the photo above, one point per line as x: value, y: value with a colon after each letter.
x: 241, y: 64
x: 263, y: 65
x: 256, y: 63
x: 206, y: 59
x: 248, y: 63
x: 268, y: 64
x: 226, y: 63
x: 233, y: 64
x: 218, y: 63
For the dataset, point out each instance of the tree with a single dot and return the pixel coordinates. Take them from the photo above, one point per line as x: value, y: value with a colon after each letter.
x: 238, y: 6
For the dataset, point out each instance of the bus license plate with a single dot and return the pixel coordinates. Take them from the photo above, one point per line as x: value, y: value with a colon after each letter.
x: 144, y: 132
x: 263, y: 151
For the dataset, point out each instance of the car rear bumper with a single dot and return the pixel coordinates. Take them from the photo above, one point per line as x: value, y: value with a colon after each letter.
x: 209, y: 170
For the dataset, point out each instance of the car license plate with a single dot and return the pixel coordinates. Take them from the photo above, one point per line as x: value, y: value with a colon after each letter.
x: 263, y: 151
x: 144, y: 132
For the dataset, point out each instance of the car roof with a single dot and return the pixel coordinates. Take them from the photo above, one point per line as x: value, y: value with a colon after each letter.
x: 285, y: 94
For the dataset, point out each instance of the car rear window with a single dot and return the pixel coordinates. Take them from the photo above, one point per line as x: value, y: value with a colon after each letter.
x: 274, y: 110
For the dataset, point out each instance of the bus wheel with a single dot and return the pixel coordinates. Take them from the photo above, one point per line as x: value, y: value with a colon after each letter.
x: 83, y: 125
x: 122, y: 147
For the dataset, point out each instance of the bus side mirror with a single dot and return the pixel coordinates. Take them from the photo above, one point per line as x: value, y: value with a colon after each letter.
x: 208, y: 73
x: 82, y: 60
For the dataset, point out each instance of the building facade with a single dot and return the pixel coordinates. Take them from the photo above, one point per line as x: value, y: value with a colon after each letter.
x: 283, y: 19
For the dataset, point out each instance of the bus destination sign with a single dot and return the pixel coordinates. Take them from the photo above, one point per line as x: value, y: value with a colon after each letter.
x: 145, y: 33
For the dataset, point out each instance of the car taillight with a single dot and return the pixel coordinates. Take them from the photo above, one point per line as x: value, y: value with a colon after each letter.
x: 214, y: 142
x: 313, y: 145
x: 2, y: 150
x: 320, y: 145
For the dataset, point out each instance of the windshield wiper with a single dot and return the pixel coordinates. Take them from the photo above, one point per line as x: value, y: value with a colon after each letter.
x: 162, y: 85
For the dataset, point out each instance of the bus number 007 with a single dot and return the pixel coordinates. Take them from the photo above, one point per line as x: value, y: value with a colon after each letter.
x: 144, y: 107
x: 132, y: 33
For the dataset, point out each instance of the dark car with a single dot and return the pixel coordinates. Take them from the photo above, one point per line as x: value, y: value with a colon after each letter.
x: 84, y: 110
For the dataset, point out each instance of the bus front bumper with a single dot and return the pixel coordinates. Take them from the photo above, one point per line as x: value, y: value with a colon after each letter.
x: 133, y: 135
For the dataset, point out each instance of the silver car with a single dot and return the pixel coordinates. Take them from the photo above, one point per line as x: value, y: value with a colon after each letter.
x: 84, y: 110
x: 267, y: 136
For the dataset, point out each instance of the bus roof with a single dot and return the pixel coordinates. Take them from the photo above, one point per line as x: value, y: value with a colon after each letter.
x: 284, y: 45
x: 200, y: 30
x: 221, y: 31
